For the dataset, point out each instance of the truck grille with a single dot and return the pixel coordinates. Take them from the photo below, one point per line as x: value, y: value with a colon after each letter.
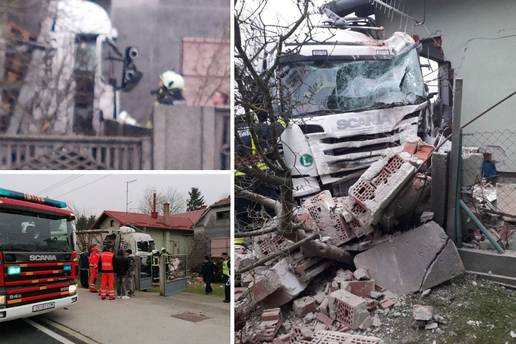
x: 343, y: 158
x: 346, y: 157
x: 36, y: 282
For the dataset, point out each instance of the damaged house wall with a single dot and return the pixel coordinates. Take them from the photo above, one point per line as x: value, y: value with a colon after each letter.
x: 479, y: 39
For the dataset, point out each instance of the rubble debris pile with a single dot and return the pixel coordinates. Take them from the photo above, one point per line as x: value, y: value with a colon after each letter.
x: 331, y: 337
x: 276, y: 303
x: 489, y: 195
x: 340, y: 306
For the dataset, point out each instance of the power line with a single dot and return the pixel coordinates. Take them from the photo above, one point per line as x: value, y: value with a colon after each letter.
x: 61, y: 182
x: 82, y: 186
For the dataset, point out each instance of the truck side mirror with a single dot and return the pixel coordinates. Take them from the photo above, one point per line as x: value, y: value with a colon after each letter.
x: 131, y: 76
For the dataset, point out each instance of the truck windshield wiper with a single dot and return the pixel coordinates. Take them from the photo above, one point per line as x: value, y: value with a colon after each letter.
x: 319, y: 112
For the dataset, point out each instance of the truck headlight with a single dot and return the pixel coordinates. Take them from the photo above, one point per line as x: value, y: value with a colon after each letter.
x: 2, y: 300
x: 13, y: 270
x: 72, y: 289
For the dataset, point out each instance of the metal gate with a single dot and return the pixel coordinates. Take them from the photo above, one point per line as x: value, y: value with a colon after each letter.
x: 173, y: 274
x: 143, y: 273
x: 482, y: 199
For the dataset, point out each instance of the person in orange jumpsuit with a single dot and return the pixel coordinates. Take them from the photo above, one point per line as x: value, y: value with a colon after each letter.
x: 107, y: 281
x: 94, y: 266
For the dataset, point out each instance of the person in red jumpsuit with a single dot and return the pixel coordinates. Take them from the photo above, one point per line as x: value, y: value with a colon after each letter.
x: 107, y: 281
x: 94, y: 266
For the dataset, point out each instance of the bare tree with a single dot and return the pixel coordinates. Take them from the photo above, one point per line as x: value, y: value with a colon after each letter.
x: 208, y: 65
x: 263, y: 107
x: 173, y: 197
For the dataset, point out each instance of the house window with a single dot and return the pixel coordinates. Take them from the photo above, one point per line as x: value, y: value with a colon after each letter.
x: 112, y: 223
x: 174, y: 247
x: 223, y: 215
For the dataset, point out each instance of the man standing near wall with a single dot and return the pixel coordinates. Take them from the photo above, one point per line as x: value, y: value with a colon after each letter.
x: 84, y: 266
x: 121, y: 267
x: 208, y: 274
x: 131, y: 274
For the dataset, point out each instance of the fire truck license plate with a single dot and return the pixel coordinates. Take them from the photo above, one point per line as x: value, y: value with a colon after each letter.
x: 43, y: 306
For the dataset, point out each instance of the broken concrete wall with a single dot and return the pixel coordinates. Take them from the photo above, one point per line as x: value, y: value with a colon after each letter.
x: 415, y: 260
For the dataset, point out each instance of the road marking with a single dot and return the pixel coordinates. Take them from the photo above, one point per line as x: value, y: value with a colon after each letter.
x: 83, y: 338
x: 48, y: 332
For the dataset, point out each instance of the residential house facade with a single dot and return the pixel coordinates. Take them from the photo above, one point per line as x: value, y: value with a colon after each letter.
x: 174, y: 232
x: 213, y: 231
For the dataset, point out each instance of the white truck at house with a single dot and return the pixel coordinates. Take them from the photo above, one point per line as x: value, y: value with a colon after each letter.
x: 71, y: 81
x: 123, y: 238
x: 352, y: 96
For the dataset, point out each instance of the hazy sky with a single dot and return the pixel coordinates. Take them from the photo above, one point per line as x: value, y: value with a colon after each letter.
x: 93, y: 193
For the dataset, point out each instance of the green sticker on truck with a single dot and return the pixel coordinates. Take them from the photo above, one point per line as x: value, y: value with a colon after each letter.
x: 306, y: 160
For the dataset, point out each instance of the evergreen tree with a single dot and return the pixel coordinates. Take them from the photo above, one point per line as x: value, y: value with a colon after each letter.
x: 84, y: 222
x: 195, y: 200
x: 91, y: 221
x: 81, y: 223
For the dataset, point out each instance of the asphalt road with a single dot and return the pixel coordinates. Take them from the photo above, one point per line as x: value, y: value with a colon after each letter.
x: 31, y: 330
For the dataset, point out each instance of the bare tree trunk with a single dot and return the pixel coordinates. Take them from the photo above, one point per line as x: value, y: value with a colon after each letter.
x: 320, y: 249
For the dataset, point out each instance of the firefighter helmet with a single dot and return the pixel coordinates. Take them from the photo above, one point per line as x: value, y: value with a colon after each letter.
x: 172, y: 80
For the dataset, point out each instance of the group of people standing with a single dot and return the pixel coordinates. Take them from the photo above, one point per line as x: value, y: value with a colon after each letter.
x: 110, y: 266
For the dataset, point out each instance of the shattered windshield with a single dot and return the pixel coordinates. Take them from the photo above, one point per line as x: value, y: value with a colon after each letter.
x: 145, y: 246
x: 329, y: 86
x: 20, y: 231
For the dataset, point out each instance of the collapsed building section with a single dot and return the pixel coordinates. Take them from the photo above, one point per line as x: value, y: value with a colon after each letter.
x: 387, y: 264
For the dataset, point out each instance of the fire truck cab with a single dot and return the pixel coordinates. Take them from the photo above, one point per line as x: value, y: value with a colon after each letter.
x: 37, y: 258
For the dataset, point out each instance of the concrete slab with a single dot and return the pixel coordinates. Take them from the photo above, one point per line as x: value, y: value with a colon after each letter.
x: 447, y: 266
x: 146, y: 318
x: 402, y: 264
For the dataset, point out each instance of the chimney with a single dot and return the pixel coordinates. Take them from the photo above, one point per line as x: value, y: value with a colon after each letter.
x: 154, y: 213
x: 166, y: 209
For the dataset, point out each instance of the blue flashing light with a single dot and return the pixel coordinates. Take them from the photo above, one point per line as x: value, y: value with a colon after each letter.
x: 67, y: 267
x: 13, y: 270
x: 32, y: 198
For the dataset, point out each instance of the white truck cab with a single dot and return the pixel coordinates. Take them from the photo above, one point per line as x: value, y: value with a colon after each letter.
x: 76, y: 73
x: 350, y: 97
x: 141, y: 244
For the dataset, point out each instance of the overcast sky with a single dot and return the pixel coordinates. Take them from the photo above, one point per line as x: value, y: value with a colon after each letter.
x: 93, y: 193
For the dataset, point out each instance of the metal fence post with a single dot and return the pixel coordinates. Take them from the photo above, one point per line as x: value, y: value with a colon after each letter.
x: 162, y: 275
x: 454, y: 183
x: 458, y: 196
x: 137, y: 272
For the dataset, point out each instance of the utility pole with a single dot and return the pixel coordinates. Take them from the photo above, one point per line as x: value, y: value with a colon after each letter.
x: 127, y: 194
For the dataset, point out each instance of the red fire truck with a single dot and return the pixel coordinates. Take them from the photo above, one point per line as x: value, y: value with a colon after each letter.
x: 37, y: 258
